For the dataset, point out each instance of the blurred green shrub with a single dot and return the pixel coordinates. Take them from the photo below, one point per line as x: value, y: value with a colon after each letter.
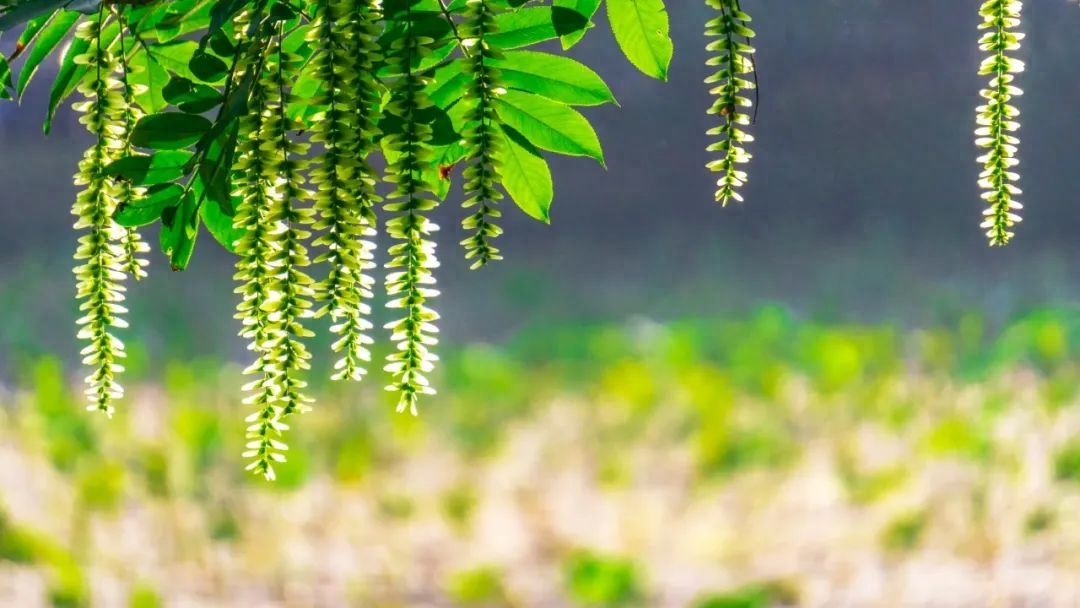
x: 724, y: 441
x: 1067, y: 462
x: 1061, y: 388
x: 152, y: 467
x: 481, y: 587
x: 833, y: 359
x: 723, y: 452
x: 958, y: 436
x: 867, y: 487
x: 67, y: 585
x: 65, y: 428
x: 69, y: 588
x: 21, y: 546
x: 292, y: 474
x: 224, y: 525
x: 1044, y: 338
x: 1039, y: 520
x: 737, y: 394
x: 458, y: 506
x: 602, y: 581
x: 143, y: 595
x: 396, y: 506
x: 905, y: 532
x: 632, y: 382
x: 353, y: 451
x: 101, y: 485
x: 198, y: 433
x: 757, y: 595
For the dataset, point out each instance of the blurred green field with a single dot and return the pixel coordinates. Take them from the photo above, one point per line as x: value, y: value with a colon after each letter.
x: 739, y: 463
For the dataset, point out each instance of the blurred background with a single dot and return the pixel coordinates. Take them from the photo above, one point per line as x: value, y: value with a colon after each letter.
x: 834, y: 394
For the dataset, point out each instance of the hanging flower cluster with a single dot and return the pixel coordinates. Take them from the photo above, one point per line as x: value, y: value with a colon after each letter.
x: 996, y: 119
x: 103, y: 251
x: 481, y: 134
x: 412, y: 256
x: 734, y: 60
x: 343, y: 180
x: 259, y: 246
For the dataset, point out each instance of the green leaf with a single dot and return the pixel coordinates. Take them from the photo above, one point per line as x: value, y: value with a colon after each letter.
x: 220, y: 44
x: 235, y: 106
x: 182, y: 18
x: 448, y: 84
x: 430, y: 60
x: 448, y: 155
x: 429, y: 24
x: 587, y: 8
x: 67, y: 78
x: 144, y: 20
x: 396, y: 9
x: 5, y: 78
x: 442, y: 128
x: 149, y: 209
x: 158, y: 168
x: 641, y: 28
x: 149, y: 79
x: 281, y: 11
x: 556, y: 77
x: 526, y: 176
x: 528, y: 26
x: 549, y: 125
x: 213, y: 175
x: 176, y: 57
x: 44, y: 43
x: 191, y: 97
x: 306, y: 87
x: 168, y: 130
x: 453, y: 153
x: 208, y: 68
x: 219, y: 223
x: 29, y: 33
x: 179, y: 229
x: 222, y: 12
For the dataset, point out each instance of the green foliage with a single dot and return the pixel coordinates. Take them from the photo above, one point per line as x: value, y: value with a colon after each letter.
x: 144, y: 596
x: 66, y: 435
x: 867, y: 487
x: 958, y: 436
x: 459, y: 505
x: 1039, y: 520
x: 101, y: 486
x: 397, y: 507
x: 1067, y: 462
x: 598, y: 580
x: 67, y: 583
x: 758, y: 595
x: 363, y: 470
x: 641, y: 29
x: 905, y: 532
x: 478, y: 587
x: 262, y: 121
